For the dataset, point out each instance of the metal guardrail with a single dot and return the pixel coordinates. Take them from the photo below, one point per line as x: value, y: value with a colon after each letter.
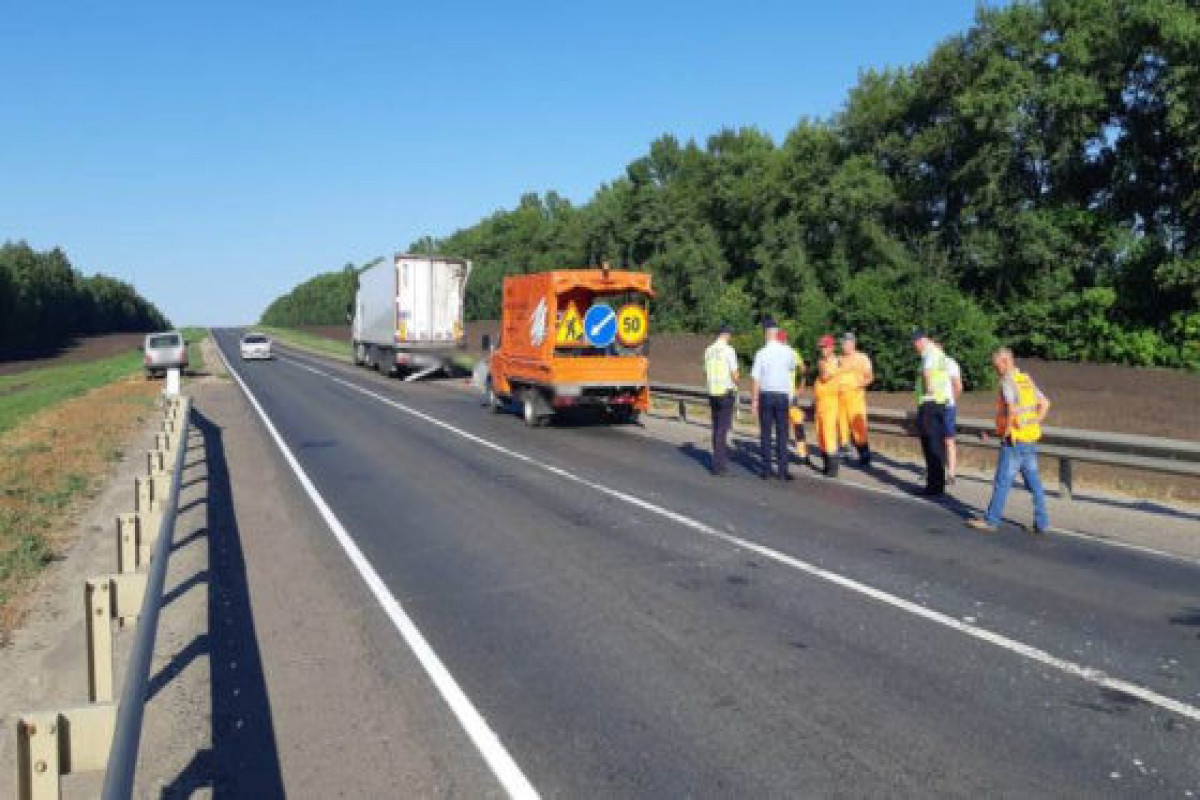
x: 1068, y: 445
x: 104, y: 735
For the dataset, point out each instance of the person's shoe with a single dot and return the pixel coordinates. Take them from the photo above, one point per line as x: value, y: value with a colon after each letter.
x: 787, y: 476
x: 980, y: 524
x: 929, y: 492
x: 1034, y: 530
x: 766, y: 476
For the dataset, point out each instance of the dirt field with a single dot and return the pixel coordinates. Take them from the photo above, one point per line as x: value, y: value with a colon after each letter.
x: 1151, y: 402
x: 90, y: 348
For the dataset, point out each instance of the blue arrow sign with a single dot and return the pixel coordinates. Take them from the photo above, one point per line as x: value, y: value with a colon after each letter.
x: 600, y: 325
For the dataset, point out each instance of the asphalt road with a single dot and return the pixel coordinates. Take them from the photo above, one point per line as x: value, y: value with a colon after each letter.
x: 628, y: 625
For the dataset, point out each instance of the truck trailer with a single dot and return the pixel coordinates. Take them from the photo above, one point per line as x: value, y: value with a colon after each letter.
x: 572, y: 339
x: 408, y: 314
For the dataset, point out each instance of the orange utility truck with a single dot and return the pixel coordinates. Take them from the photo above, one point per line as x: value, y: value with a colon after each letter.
x: 572, y: 339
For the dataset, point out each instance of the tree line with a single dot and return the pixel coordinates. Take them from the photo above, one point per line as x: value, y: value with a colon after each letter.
x: 1036, y: 181
x: 321, y: 300
x: 45, y: 302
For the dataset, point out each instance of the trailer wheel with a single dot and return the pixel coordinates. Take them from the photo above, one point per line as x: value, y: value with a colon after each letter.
x: 529, y: 409
x: 492, y: 399
x: 626, y: 415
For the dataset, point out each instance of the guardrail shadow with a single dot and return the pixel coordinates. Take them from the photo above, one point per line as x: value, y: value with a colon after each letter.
x: 243, y: 760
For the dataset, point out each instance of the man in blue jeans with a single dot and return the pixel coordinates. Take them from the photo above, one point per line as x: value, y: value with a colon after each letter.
x: 1020, y: 409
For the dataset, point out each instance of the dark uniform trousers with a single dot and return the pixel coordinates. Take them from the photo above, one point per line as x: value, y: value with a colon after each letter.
x: 773, y: 418
x: 931, y: 424
x: 722, y: 406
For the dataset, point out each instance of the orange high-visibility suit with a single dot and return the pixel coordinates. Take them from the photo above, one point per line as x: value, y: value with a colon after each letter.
x: 826, y: 396
x: 853, y: 376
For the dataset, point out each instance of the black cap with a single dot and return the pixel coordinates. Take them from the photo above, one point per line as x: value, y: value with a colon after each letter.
x: 918, y: 335
x: 768, y: 323
x: 725, y: 328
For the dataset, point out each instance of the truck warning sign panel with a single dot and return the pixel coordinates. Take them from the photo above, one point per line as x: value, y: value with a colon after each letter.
x: 600, y: 325
x: 570, y: 329
x: 631, y: 325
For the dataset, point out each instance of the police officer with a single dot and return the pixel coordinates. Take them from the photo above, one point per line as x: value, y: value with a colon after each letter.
x: 933, y: 393
x: 774, y: 365
x: 721, y: 377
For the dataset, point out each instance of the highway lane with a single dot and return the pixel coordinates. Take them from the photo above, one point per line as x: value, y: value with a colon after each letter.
x: 617, y: 652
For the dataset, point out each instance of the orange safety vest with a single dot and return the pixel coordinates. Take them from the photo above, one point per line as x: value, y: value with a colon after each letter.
x: 1022, y: 415
x: 852, y: 373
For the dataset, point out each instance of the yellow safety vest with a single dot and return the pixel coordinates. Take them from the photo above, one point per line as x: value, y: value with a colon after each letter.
x: 939, y: 391
x: 796, y: 370
x: 1023, y: 414
x: 717, y: 373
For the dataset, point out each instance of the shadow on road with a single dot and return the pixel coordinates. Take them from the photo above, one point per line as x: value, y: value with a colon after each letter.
x: 243, y: 761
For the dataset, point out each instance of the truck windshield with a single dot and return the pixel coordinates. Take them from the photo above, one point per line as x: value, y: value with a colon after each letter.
x: 590, y: 324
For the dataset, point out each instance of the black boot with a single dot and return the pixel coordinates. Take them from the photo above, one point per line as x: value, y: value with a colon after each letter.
x: 864, y: 456
x: 832, y: 461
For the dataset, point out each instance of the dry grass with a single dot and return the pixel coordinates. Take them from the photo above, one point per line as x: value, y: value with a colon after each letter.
x: 49, y: 465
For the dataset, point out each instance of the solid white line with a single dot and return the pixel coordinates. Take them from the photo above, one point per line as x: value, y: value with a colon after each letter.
x: 476, y: 727
x: 1089, y: 674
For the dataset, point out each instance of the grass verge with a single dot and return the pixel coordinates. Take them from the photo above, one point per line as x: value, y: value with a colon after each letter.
x: 55, y: 459
x: 26, y: 393
x: 308, y: 341
x: 194, y: 336
x: 341, y: 350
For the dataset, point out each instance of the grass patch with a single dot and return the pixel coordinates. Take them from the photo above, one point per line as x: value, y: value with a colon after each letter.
x: 321, y: 345
x: 27, y: 393
x: 308, y: 341
x: 50, y: 463
x: 194, y: 336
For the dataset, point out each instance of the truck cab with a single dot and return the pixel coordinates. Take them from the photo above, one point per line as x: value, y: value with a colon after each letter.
x: 573, y: 339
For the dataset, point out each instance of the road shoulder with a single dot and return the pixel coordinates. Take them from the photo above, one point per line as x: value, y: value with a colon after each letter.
x: 305, y: 664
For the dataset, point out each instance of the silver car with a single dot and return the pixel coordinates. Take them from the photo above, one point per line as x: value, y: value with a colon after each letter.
x: 164, y: 351
x: 255, y: 345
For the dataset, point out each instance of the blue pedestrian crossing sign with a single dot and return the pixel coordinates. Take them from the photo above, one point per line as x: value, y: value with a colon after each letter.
x: 600, y: 325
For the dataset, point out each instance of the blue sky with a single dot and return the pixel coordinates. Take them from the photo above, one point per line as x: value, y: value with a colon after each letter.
x: 216, y: 153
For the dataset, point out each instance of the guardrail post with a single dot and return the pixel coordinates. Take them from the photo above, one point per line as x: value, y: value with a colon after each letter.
x: 129, y: 542
x: 98, y: 608
x: 55, y: 743
x: 37, y: 756
x: 1066, y: 483
x: 142, y: 497
x: 682, y: 411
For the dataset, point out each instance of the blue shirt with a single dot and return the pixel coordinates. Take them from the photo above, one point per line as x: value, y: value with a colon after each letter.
x: 774, y: 367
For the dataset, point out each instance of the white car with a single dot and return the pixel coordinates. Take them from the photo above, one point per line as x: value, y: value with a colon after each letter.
x: 255, y: 346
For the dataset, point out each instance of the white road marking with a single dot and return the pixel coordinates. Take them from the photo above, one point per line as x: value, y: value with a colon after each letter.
x: 909, y: 497
x: 1089, y: 674
x: 489, y: 745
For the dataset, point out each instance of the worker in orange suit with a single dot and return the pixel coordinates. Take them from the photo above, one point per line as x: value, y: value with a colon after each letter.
x: 855, y: 375
x: 826, y: 399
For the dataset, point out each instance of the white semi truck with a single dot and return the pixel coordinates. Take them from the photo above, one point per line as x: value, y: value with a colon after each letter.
x: 408, y: 314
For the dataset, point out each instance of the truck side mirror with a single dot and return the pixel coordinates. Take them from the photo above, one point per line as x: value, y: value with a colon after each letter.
x: 486, y: 343
x: 350, y: 312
